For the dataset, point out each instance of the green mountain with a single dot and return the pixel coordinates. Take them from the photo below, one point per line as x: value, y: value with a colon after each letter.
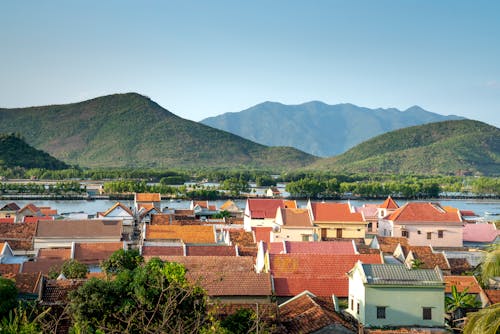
x: 318, y: 128
x: 444, y: 147
x: 14, y: 152
x: 130, y: 130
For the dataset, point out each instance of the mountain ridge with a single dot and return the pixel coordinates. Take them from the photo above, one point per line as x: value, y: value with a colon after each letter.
x: 316, y: 127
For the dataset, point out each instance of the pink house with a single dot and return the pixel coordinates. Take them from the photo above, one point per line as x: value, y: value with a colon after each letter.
x: 425, y: 223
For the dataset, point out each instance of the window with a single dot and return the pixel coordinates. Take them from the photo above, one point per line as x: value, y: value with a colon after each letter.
x: 381, y: 312
x: 305, y: 237
x: 352, y: 304
x: 440, y: 234
x: 429, y: 235
x: 427, y: 313
x: 405, y: 234
x: 357, y: 311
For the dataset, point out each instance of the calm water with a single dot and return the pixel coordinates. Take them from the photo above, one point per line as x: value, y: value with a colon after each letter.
x: 91, y: 207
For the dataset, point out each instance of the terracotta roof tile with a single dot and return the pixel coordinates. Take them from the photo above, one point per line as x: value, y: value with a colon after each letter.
x: 151, y: 251
x: 389, y: 244
x: 147, y: 197
x: 217, y: 250
x: 201, y: 204
x: 56, y: 292
x: 321, y: 274
x: 459, y: 266
x: 30, y: 207
x: 340, y: 212
x: 247, y: 251
x: 42, y: 265
x: 10, y: 207
x: 462, y: 283
x: 229, y: 206
x: 262, y: 233
x: 79, y: 228
x: 7, y: 220
x: 36, y: 219
x: 54, y: 253
x: 290, y: 204
x: 295, y: 217
x: 46, y: 211
x: 95, y: 253
x: 306, y: 313
x: 9, y: 268
x: 493, y: 296
x: 241, y: 237
x: 28, y: 283
x: 214, y: 263
x: 186, y: 233
x: 232, y: 283
x: 322, y: 247
x: 19, y: 236
x: 161, y: 219
x: 264, y: 208
x: 430, y: 260
x: 389, y: 203
x: 424, y: 212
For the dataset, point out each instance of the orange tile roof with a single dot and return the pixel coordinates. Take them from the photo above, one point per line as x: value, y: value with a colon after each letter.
x: 186, y: 233
x: 7, y: 220
x: 31, y: 207
x: 296, y: 217
x: 117, y: 204
x: 229, y: 206
x: 389, y: 203
x: 28, y: 283
x: 216, y: 250
x: 42, y: 265
x: 46, y: 211
x: 262, y: 233
x: 218, y: 284
x: 201, y: 204
x: 54, y: 253
x: 94, y: 253
x: 150, y: 251
x: 388, y: 244
x: 290, y: 204
x: 424, y: 212
x: 2, y: 245
x: 214, y: 263
x: 35, y: 219
x: 339, y: 212
x: 241, y: 237
x: 462, y: 283
x: 430, y: 260
x: 147, y: 197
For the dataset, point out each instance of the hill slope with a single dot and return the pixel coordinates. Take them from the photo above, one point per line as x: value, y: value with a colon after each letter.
x: 318, y: 128
x: 444, y: 147
x: 14, y: 152
x: 131, y: 130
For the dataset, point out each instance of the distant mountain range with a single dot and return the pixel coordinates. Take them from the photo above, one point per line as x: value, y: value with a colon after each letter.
x: 14, y: 152
x: 318, y: 128
x: 437, y: 148
x: 130, y: 130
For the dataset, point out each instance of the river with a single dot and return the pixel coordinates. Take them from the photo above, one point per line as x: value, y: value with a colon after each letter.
x: 480, y: 207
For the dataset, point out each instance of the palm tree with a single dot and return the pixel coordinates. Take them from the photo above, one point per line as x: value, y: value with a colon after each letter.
x: 485, y: 321
x: 490, y: 267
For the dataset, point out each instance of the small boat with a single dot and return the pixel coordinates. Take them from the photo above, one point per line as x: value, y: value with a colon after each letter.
x: 491, y: 213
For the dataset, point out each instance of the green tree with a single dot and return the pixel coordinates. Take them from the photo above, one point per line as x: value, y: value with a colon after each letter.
x: 240, y: 322
x: 235, y: 186
x: 490, y: 266
x: 458, y: 302
x: 74, y: 269
x: 485, y: 321
x: 8, y: 296
x: 122, y: 260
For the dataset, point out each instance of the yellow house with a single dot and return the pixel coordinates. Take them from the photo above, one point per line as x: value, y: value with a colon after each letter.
x: 337, y: 220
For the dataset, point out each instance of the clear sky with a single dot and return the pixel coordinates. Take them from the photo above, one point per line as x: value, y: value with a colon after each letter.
x: 204, y: 58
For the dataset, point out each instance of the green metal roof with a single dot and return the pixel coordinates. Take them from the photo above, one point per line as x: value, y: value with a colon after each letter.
x: 395, y: 274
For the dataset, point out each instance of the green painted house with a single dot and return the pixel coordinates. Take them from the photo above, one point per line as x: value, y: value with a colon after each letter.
x: 391, y: 295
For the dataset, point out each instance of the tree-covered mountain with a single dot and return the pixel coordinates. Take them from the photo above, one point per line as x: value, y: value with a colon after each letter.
x: 130, y: 130
x: 436, y: 148
x: 318, y: 128
x: 14, y: 152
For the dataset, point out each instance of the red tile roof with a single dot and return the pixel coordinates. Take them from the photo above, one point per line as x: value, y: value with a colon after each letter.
x: 46, y: 211
x: 92, y: 228
x: 28, y: 283
x: 262, y: 233
x: 56, y: 292
x: 480, y: 233
x: 54, y: 253
x: 42, y: 265
x: 339, y: 212
x: 95, y: 253
x: 321, y: 274
x: 214, y: 263
x: 147, y: 197
x: 7, y: 220
x: 151, y: 251
x: 308, y: 247
x: 264, y: 208
x: 30, y: 207
x: 389, y: 244
x: 295, y: 217
x: 389, y: 203
x: 428, y: 257
x: 459, y: 266
x: 201, y: 204
x: 36, y: 219
x: 216, y: 250
x: 462, y: 283
x: 424, y: 212
x: 241, y: 237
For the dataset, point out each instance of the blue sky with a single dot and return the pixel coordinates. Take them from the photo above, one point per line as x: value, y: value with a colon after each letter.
x: 204, y: 58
